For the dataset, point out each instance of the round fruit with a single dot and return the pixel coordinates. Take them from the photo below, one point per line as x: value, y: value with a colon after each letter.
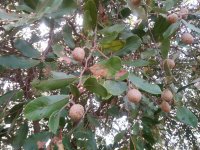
x: 170, y: 63
x: 76, y: 112
x: 78, y: 54
x: 184, y: 13
x: 172, y: 18
x: 167, y: 95
x: 187, y: 38
x: 134, y: 96
x: 165, y: 106
x: 135, y: 2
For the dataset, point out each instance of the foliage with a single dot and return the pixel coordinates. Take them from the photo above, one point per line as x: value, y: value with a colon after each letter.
x: 125, y: 47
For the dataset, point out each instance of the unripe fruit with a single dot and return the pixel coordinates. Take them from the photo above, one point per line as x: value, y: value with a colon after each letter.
x: 167, y: 95
x: 187, y: 38
x: 135, y: 2
x: 172, y: 18
x: 76, y: 112
x: 170, y: 63
x: 165, y: 106
x: 78, y: 54
x: 184, y: 13
x: 134, y: 96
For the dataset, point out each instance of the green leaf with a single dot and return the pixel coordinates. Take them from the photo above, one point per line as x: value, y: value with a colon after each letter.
x: 92, y: 85
x: 43, y: 107
x: 113, y: 64
x: 137, y: 63
x: 144, y: 85
x: 132, y: 44
x: 108, y: 38
x: 92, y: 120
x: 191, y: 26
x: 169, y: 4
x: 160, y: 26
x: 8, y: 16
x: 26, y: 49
x: 114, y: 87
x: 165, y: 48
x: 52, y: 84
x: 148, y: 53
x: 171, y: 29
x: 66, y: 142
x: 90, y: 15
x: 9, y: 96
x: 125, y: 12
x: 20, y: 136
x: 67, y: 35
x: 54, y: 120
x: 186, y: 116
x: 113, y: 45
x: 31, y: 142
x: 74, y: 91
x: 58, y: 49
x: 119, y: 136
x: 117, y: 28
x: 32, y: 3
x: 14, y: 62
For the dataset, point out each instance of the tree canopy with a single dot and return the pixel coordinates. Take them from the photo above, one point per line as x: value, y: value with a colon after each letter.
x: 99, y: 74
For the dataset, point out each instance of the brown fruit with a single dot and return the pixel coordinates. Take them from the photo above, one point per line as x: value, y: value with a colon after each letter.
x: 134, y: 96
x: 170, y: 63
x: 187, y: 38
x: 172, y: 18
x: 167, y: 95
x: 99, y: 70
x: 76, y: 112
x: 165, y: 106
x: 184, y: 13
x: 78, y: 54
x: 135, y: 2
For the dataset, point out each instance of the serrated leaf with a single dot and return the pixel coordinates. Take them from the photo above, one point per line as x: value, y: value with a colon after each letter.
x: 14, y: 62
x: 132, y: 44
x: 92, y: 85
x: 186, y: 116
x: 43, y: 107
x: 26, y: 48
x: 114, y: 87
x: 144, y: 85
x: 54, y: 120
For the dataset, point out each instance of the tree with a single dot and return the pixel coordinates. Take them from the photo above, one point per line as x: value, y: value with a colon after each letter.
x: 99, y: 74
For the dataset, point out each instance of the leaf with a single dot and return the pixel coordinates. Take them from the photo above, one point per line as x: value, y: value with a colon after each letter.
x: 20, y: 136
x: 92, y: 120
x: 14, y: 62
x: 169, y: 4
x: 125, y: 12
x: 54, y: 120
x: 9, y: 96
x: 191, y: 26
x: 8, y: 16
x: 66, y: 142
x: 132, y: 44
x: 171, y: 29
x: 114, y: 87
x: 90, y: 15
x: 117, y: 28
x: 144, y: 85
x: 119, y: 136
x: 165, y: 48
x: 52, y: 84
x: 137, y: 63
x: 186, y: 116
x: 32, y: 3
x: 108, y: 38
x: 113, y: 65
x: 58, y: 49
x: 26, y: 49
x: 92, y: 85
x: 31, y: 142
x: 43, y: 107
x: 148, y: 53
x: 67, y: 35
x: 113, y: 45
x: 74, y: 90
x: 160, y: 26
